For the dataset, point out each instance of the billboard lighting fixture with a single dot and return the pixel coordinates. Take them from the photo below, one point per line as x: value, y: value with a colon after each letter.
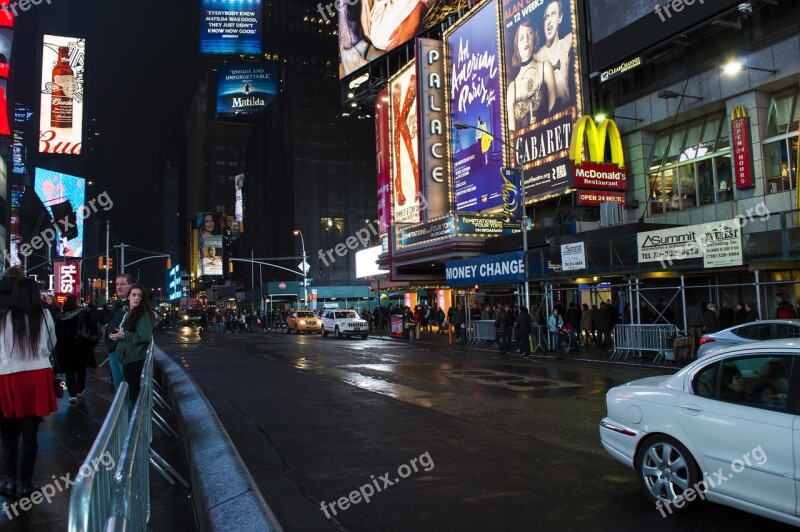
x: 667, y: 94
x: 360, y: 80
x: 734, y: 66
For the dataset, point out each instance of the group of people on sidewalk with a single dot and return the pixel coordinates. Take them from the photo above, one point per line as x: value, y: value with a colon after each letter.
x: 36, y: 337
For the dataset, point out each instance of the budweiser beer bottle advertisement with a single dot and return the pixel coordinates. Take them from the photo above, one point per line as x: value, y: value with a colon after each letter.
x: 61, y: 97
x: 61, y: 117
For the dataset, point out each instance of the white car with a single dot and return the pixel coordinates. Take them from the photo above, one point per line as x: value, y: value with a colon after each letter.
x: 754, y: 331
x: 344, y: 323
x: 724, y: 428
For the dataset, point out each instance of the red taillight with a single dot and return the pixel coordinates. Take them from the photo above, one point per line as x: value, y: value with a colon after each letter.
x: 705, y: 340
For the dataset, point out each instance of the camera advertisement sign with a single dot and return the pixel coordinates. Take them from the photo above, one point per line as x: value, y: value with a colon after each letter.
x: 718, y: 244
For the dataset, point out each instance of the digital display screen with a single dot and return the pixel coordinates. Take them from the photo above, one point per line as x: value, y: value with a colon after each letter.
x: 230, y: 27
x: 63, y: 196
x: 245, y: 89
x: 61, y: 110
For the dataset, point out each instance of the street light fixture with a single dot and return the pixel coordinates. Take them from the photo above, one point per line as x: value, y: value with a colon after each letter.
x: 524, y: 221
x: 303, y: 266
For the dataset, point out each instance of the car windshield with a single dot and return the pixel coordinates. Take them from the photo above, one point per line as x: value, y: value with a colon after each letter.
x: 305, y: 314
x: 347, y: 314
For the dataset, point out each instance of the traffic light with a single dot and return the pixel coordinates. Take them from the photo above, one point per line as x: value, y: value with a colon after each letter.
x: 169, y: 263
x: 110, y: 263
x: 105, y: 263
x: 100, y: 265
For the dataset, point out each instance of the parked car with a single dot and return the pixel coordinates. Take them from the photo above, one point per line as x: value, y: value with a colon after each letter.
x: 754, y: 331
x: 303, y: 321
x: 343, y: 323
x: 724, y: 428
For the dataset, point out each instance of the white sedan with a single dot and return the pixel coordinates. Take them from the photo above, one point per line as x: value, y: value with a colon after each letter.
x: 724, y: 428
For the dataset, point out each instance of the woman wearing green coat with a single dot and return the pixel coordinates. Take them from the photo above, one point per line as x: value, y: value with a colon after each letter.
x: 133, y: 338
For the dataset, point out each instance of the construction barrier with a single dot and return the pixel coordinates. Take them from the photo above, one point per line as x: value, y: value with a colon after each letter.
x: 631, y: 340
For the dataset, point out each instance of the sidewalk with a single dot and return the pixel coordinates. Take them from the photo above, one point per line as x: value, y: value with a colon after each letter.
x: 65, y: 438
x: 590, y: 354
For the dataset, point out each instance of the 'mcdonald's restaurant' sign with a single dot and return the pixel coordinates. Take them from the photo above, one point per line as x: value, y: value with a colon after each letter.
x: 590, y: 172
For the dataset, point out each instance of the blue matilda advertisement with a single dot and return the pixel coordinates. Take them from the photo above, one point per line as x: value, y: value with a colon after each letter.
x: 246, y: 88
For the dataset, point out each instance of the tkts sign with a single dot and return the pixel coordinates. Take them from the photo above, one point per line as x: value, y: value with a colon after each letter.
x: 592, y: 173
x: 67, y: 279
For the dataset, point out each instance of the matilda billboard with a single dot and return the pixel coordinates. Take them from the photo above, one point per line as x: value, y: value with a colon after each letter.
x: 230, y: 27
x: 245, y: 89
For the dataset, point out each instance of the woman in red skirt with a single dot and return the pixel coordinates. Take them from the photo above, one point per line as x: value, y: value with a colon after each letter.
x: 27, y: 334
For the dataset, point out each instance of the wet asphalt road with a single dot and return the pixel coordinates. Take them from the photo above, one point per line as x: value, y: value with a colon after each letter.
x: 485, y: 443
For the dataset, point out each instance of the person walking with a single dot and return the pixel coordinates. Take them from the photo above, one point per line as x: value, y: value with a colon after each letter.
x: 440, y: 320
x: 502, y: 324
x: 459, y: 318
x: 417, y: 321
x: 76, y: 335
x: 603, y: 323
x: 26, y: 383
x: 740, y: 315
x: 694, y: 321
x: 123, y: 284
x: 710, y: 320
x: 587, y: 323
x: 133, y: 339
x: 554, y: 325
x: 523, y: 326
x: 751, y: 314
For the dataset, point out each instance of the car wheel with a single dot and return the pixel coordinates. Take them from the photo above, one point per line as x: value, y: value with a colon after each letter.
x: 338, y: 333
x: 363, y: 336
x: 666, y: 470
x: 324, y: 332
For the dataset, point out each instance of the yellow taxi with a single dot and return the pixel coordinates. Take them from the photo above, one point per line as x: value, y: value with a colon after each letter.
x: 303, y: 321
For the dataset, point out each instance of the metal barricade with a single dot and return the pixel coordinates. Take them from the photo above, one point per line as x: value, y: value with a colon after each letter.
x: 90, y: 500
x: 481, y: 331
x: 630, y: 339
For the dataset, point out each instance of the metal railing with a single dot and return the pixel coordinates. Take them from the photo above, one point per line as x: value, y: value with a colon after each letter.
x: 119, y: 498
x: 130, y: 503
x: 90, y: 500
x: 633, y: 339
x: 480, y: 331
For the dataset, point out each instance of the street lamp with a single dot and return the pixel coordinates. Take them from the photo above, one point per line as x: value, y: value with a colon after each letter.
x: 303, y: 266
x: 523, y: 221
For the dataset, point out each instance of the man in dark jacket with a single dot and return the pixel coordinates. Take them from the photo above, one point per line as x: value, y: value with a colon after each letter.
x: 502, y: 328
x: 602, y: 321
x: 523, y: 328
x: 458, y: 320
x: 710, y: 321
x: 751, y: 312
x: 121, y: 307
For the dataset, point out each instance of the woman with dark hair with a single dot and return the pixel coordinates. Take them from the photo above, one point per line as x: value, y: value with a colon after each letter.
x: 134, y: 337
x: 27, y: 334
x: 77, y: 336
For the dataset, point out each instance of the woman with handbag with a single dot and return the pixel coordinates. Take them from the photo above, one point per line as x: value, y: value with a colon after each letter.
x: 133, y: 338
x: 77, y: 336
x: 27, y: 334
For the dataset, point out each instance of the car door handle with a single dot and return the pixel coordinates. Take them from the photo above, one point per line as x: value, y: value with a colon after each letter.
x: 692, y: 410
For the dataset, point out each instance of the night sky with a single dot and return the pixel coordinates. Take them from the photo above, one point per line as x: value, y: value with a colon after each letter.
x: 142, y: 69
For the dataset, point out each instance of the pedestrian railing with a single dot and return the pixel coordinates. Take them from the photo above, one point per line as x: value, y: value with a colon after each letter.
x: 90, y: 500
x: 481, y: 331
x: 631, y: 340
x: 119, y: 499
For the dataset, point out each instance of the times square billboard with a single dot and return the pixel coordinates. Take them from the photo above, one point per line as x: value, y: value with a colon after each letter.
x: 246, y: 88
x: 63, y: 196
x: 6, y: 40
x: 368, y: 29
x: 230, y: 27
x: 61, y: 109
x: 623, y: 29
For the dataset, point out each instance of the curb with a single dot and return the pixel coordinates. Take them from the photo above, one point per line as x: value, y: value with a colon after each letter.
x: 225, y: 494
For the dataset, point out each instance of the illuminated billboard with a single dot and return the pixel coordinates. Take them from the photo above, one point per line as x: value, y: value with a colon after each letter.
x: 404, y: 146
x: 368, y: 28
x: 542, y: 91
x: 623, y: 29
x: 63, y: 195
x: 383, y: 161
x: 209, y: 245
x: 245, y: 89
x: 230, y: 27
x: 238, y: 200
x: 16, y: 239
x: 473, y: 84
x: 6, y: 40
x: 61, y: 109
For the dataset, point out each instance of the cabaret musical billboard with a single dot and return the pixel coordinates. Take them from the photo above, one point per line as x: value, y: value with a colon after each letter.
x: 243, y: 89
x: 230, y: 27
x: 368, y: 29
x: 474, y: 99
x: 61, y: 102
x: 542, y: 89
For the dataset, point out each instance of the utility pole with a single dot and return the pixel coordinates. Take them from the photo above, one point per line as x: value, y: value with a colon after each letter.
x: 108, y: 236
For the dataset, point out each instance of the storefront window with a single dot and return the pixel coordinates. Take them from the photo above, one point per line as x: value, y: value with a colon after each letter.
x: 780, y: 146
x: 690, y: 165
